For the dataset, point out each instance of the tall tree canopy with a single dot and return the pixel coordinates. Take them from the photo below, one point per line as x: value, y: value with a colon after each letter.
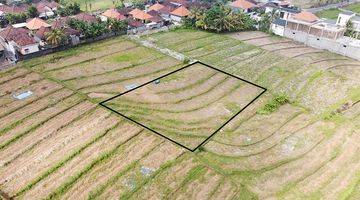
x: 219, y: 19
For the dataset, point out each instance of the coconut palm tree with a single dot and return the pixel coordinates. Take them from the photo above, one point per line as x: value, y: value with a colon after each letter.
x: 55, y: 37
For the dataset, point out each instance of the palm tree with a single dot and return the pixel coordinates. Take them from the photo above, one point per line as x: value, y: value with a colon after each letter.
x: 56, y: 37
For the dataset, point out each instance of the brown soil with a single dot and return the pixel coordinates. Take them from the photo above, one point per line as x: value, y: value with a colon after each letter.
x: 105, y: 144
x: 8, y: 103
x: 33, y: 107
x: 100, y: 174
x: 41, y: 116
x: 48, y: 128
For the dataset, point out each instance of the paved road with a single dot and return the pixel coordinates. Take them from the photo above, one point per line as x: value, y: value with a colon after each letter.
x: 336, y: 5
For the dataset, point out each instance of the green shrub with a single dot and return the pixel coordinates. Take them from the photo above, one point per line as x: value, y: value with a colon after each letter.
x: 274, y: 104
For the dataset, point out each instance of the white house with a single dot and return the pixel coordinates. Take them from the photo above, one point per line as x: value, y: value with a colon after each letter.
x: 278, y: 26
x: 18, y: 40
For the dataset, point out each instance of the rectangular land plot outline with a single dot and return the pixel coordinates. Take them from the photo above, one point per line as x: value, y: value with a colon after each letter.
x: 187, y: 66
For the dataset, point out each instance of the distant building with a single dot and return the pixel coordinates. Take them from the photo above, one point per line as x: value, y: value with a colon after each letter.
x: 112, y: 14
x: 18, y: 40
x: 345, y: 17
x: 179, y: 14
x: 242, y: 5
x: 36, y: 23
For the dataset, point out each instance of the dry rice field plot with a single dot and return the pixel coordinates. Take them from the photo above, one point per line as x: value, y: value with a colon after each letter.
x: 187, y: 106
x: 57, y: 142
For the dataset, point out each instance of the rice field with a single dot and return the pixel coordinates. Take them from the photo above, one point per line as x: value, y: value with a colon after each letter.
x: 59, y: 143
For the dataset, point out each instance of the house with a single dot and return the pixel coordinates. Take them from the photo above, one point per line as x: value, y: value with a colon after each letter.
x: 141, y: 15
x: 242, y: 5
x: 278, y: 26
x: 269, y: 7
x: 134, y: 11
x: 288, y: 12
x: 136, y: 26
x: 179, y: 14
x: 44, y: 10
x: 40, y: 35
x: 14, y: 9
x: 347, y: 16
x: 18, y: 40
x: 305, y: 17
x: 36, y: 23
x: 112, y: 14
x: 156, y: 7
x: 85, y: 17
x: 156, y: 21
x: 165, y: 12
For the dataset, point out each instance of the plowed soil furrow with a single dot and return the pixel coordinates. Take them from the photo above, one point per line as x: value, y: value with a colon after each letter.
x: 226, y: 190
x: 165, y: 153
x: 338, y: 173
x: 140, y: 70
x: 299, y: 144
x: 40, y: 89
x: 89, y: 55
x: 14, y: 85
x: 200, y: 188
x: 111, y: 140
x: 105, y: 65
x: 12, y: 74
x: 35, y: 120
x: 300, y: 168
x: 51, y: 151
x: 48, y: 128
x: 115, y: 163
x: 166, y: 181
x: 33, y: 108
x: 264, y: 126
x: 292, y: 126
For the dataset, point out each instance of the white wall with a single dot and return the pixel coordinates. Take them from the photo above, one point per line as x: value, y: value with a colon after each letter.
x: 29, y: 49
x: 335, y: 46
x: 175, y: 18
x: 278, y: 30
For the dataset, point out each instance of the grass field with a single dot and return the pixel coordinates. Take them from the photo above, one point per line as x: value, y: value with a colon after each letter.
x: 95, y: 4
x: 333, y: 13
x: 329, y: 14
x: 300, y: 140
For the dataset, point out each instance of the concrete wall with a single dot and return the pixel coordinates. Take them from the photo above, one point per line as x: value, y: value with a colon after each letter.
x: 278, y: 30
x: 335, y: 46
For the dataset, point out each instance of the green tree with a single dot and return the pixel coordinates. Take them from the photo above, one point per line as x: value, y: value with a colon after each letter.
x: 350, y: 32
x: 32, y: 12
x: 56, y: 37
x: 69, y: 9
x: 116, y: 25
x: 16, y: 18
x: 219, y: 19
x: 266, y: 20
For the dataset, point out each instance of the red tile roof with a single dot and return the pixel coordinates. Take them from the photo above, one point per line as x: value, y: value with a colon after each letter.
x: 306, y: 16
x: 19, y: 35
x: 15, y: 9
x: 42, y: 31
x: 134, y: 23
x: 70, y: 31
x: 156, y: 7
x: 181, y: 12
x: 114, y: 14
x: 36, y: 23
x: 141, y: 15
x: 85, y: 17
x: 243, y: 4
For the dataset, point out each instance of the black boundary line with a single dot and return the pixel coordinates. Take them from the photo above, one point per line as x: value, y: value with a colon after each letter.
x: 208, y: 138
